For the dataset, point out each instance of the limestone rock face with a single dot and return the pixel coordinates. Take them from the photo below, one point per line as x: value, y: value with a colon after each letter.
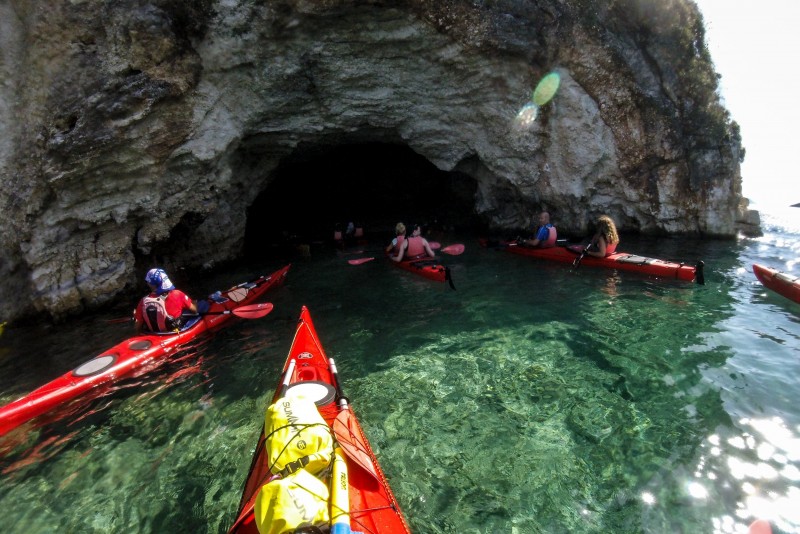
x: 126, y: 124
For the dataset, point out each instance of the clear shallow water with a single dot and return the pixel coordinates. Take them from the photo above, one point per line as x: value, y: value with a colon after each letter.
x: 532, y: 399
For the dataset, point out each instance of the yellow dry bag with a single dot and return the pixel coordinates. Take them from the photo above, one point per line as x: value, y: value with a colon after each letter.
x: 297, y: 436
x: 286, y: 504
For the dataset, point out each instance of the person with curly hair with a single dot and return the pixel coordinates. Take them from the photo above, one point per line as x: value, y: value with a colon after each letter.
x: 605, y: 240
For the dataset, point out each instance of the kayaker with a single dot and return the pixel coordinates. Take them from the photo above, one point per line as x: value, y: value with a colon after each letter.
x: 162, y: 309
x: 546, y: 235
x: 397, y: 243
x: 605, y: 240
x: 413, y: 247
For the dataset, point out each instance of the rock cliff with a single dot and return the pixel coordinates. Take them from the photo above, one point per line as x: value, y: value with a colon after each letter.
x: 125, y: 125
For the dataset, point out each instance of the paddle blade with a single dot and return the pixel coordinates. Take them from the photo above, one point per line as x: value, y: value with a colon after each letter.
x: 760, y: 526
x: 253, y: 311
x: 435, y: 245
x: 359, y: 261
x: 348, y: 434
x: 454, y: 250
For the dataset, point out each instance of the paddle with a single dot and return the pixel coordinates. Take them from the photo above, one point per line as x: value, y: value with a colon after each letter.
x: 577, y: 261
x: 359, y: 261
x: 347, y: 431
x: 251, y: 311
x: 435, y: 245
x: 452, y: 250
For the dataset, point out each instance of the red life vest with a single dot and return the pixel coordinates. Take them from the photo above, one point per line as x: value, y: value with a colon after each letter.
x: 610, y: 249
x: 154, y: 314
x: 415, y: 247
x: 552, y: 237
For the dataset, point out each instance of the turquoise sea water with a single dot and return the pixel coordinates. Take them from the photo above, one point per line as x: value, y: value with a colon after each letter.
x: 534, y: 398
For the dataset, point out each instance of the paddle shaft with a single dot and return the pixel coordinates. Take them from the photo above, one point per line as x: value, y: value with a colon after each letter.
x: 250, y: 311
x: 577, y: 262
x: 130, y: 319
x: 287, y: 377
x: 452, y: 250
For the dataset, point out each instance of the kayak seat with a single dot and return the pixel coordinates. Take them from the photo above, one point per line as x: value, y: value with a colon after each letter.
x: 189, y: 321
x: 423, y: 263
x: 218, y: 298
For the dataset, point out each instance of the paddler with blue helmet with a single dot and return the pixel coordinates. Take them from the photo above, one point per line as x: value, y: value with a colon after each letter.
x: 162, y: 309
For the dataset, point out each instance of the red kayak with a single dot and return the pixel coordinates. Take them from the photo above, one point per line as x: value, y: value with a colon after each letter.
x: 622, y: 261
x: 426, y: 267
x: 139, y: 353
x: 369, y: 502
x: 782, y: 283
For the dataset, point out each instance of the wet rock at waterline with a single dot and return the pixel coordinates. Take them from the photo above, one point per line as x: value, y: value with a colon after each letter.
x: 133, y: 130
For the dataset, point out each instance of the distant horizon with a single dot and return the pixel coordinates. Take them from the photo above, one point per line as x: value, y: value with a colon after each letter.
x: 754, y: 47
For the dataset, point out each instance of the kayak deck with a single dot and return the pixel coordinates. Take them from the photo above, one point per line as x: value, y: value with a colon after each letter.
x: 622, y: 261
x: 373, y: 507
x: 137, y: 354
x: 426, y: 267
x: 782, y: 283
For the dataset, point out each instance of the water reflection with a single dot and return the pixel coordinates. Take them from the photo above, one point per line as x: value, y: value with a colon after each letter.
x: 756, y: 466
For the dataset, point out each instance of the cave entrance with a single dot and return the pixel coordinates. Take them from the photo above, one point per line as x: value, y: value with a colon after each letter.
x: 317, y: 190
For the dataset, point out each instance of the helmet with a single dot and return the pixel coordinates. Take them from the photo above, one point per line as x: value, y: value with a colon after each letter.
x: 159, y: 280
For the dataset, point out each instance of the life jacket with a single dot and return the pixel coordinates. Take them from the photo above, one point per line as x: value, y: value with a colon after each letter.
x: 415, y: 247
x: 610, y: 249
x: 154, y: 314
x: 552, y: 237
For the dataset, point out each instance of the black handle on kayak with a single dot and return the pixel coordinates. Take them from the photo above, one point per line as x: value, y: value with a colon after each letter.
x: 343, y: 402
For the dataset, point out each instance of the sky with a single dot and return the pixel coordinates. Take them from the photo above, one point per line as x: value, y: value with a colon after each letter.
x: 755, y: 46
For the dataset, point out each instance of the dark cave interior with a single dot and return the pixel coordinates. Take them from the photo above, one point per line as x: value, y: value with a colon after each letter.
x: 374, y: 185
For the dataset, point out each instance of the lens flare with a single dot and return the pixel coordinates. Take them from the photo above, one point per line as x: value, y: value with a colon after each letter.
x: 526, y: 116
x: 546, y: 89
